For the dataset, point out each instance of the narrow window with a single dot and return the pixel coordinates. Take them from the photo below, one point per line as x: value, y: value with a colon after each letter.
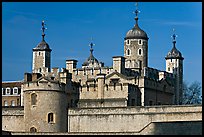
x: 140, y: 42
x: 8, y: 90
x: 168, y: 68
x: 121, y: 86
x: 50, y: 118
x: 5, y: 103
x: 33, y: 99
x: 33, y: 129
x: 39, y: 53
x: 128, y: 52
x: 15, y: 90
x: 2, y: 90
x: 114, y: 85
x: 18, y: 102
x: 128, y: 42
x: 107, y: 87
x: 12, y: 103
x: 140, y: 52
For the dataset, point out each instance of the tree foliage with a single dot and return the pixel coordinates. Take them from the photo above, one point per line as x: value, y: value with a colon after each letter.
x: 192, y: 94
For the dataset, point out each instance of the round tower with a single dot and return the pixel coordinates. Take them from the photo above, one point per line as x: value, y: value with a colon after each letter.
x: 136, y: 47
x: 41, y: 54
x: 45, y: 106
x: 174, y: 64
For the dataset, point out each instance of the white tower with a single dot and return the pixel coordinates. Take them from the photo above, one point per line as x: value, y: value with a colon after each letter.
x: 174, y: 64
x: 41, y: 55
x: 136, y: 47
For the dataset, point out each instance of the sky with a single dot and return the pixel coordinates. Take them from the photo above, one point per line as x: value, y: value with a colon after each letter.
x: 72, y: 25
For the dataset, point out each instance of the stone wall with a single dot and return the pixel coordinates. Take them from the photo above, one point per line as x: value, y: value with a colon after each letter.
x: 13, y: 119
x: 132, y: 120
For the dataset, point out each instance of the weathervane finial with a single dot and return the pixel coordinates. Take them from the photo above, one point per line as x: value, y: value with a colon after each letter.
x: 174, y: 37
x: 43, y: 30
x: 91, y: 44
x: 136, y: 12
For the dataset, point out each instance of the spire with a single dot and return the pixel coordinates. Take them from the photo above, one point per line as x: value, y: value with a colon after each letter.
x: 174, y: 38
x: 43, y: 30
x: 136, y: 13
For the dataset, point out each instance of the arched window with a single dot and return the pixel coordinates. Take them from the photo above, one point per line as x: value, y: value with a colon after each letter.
x: 140, y: 52
x: 33, y: 129
x: 128, y: 42
x: 33, y: 99
x: 12, y: 103
x: 5, y: 103
x: 140, y: 42
x: 128, y: 52
x: 51, y: 116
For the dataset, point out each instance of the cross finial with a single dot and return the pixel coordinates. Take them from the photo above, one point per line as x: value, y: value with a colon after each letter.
x: 43, y: 30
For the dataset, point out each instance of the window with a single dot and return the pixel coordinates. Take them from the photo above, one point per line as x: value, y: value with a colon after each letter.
x: 8, y: 91
x: 33, y: 129
x: 18, y: 102
x: 168, y: 68
x: 114, y: 85
x: 2, y: 90
x: 140, y: 52
x: 33, y: 99
x: 107, y: 87
x: 128, y: 42
x: 5, y: 103
x: 39, y: 53
x: 15, y: 90
x: 51, y: 117
x: 128, y: 52
x: 12, y: 103
x: 140, y: 42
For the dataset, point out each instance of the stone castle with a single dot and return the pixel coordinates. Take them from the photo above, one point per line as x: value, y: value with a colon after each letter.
x: 66, y: 100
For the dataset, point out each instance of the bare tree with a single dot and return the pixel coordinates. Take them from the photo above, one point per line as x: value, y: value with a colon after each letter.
x: 192, y: 93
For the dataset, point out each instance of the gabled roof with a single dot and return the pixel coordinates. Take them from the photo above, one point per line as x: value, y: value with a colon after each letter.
x: 119, y: 75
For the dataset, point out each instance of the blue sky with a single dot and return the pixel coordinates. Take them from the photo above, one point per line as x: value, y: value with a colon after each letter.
x: 70, y: 26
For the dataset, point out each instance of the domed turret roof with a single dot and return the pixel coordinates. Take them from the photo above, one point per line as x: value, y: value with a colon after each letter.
x: 91, y: 60
x: 42, y: 46
x: 136, y: 33
x: 174, y: 53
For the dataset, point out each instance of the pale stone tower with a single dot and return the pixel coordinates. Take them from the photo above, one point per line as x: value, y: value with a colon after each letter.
x: 45, y: 104
x: 136, y: 47
x: 174, y: 64
x: 41, y: 55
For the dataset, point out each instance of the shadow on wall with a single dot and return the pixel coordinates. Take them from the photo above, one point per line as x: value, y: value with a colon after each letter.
x: 178, y: 128
x: 6, y: 133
